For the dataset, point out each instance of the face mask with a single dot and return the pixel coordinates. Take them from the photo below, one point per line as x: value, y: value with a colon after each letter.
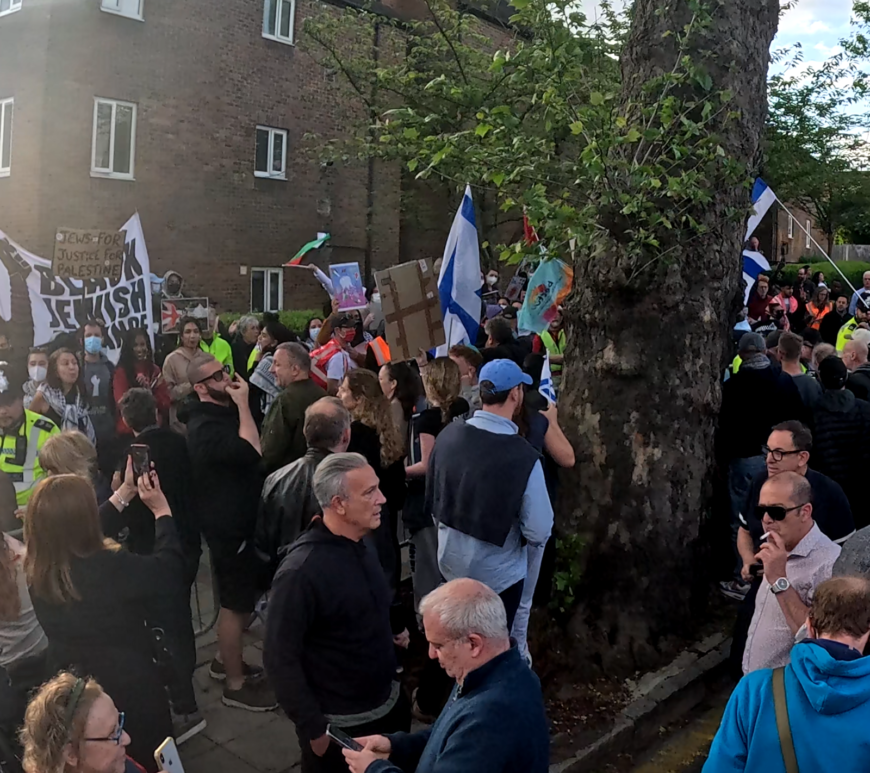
x: 491, y: 280
x: 376, y: 297
x: 349, y: 335
x: 313, y: 333
x: 37, y: 372
x: 93, y: 345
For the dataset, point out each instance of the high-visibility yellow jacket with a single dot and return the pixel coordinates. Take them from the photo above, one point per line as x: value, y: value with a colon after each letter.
x: 845, y: 334
x: 19, y: 453
x: 220, y: 350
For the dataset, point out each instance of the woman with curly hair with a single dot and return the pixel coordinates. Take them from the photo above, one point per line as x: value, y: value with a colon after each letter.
x: 136, y: 368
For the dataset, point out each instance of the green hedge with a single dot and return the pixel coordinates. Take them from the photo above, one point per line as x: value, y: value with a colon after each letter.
x: 295, y: 320
x: 853, y: 270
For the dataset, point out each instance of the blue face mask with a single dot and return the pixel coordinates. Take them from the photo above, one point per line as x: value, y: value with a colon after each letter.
x: 93, y: 344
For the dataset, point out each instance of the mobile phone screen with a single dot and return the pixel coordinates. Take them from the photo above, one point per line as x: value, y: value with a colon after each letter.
x: 343, y: 739
x: 141, y: 455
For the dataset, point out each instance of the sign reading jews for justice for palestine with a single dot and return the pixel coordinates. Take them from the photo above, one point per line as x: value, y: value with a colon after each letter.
x: 91, y: 254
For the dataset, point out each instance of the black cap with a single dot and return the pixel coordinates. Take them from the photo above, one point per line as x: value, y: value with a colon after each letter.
x: 832, y: 373
x: 509, y: 312
x: 865, y: 306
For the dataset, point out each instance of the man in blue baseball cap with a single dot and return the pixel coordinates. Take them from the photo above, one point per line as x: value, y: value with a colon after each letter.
x: 486, y: 491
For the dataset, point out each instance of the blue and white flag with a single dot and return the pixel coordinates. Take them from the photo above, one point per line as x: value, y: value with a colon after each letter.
x: 754, y: 263
x: 762, y: 200
x: 547, y: 388
x: 459, y: 282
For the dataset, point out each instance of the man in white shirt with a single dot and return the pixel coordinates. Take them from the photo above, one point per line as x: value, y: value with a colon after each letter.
x: 796, y: 558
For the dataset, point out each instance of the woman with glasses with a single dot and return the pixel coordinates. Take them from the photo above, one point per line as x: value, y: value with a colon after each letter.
x: 94, y: 601
x: 73, y: 725
x: 175, y: 369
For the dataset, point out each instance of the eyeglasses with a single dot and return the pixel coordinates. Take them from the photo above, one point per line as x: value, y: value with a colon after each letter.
x: 775, y: 512
x: 217, y: 376
x: 116, y: 736
x: 777, y: 453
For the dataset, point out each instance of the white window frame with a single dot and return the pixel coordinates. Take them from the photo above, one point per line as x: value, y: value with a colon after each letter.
x: 108, y: 173
x: 791, y: 226
x: 269, y: 174
x: 129, y: 9
x: 5, y: 171
x: 267, y: 272
x: 809, y: 232
x: 14, y: 6
x: 278, y: 36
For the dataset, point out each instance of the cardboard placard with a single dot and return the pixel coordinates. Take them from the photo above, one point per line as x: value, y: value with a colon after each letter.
x: 412, y: 309
x: 173, y: 310
x: 88, y: 254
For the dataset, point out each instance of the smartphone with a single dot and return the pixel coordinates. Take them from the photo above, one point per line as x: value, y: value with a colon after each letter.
x: 167, y: 757
x: 141, y: 455
x: 756, y: 569
x: 343, y: 739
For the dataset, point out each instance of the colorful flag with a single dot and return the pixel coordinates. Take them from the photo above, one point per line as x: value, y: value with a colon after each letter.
x: 306, y: 248
x: 530, y: 235
x: 547, y: 289
x: 547, y: 388
x: 459, y: 281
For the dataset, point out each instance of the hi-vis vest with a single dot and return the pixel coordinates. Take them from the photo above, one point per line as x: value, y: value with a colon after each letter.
x: 320, y: 361
x: 220, y: 350
x: 555, y: 346
x: 381, y: 350
x: 19, y: 453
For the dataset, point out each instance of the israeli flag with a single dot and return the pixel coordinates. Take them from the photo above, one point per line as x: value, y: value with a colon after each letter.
x: 459, y: 282
x: 762, y: 200
x: 547, y: 388
x: 754, y: 263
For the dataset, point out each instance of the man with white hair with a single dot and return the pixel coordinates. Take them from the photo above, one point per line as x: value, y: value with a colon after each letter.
x: 856, y: 296
x: 329, y: 648
x: 494, y: 720
x: 855, y: 360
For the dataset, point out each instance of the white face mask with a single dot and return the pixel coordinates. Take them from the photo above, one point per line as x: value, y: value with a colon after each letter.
x: 376, y: 297
x: 37, y: 372
x: 313, y: 333
x: 491, y: 280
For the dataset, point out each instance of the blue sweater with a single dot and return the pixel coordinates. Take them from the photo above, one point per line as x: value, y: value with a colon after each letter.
x: 494, y: 722
x: 829, y: 711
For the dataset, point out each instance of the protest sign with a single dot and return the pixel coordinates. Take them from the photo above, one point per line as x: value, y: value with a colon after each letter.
x: 80, y: 254
x: 38, y: 304
x: 547, y: 290
x: 349, y: 290
x: 173, y: 310
x: 412, y: 309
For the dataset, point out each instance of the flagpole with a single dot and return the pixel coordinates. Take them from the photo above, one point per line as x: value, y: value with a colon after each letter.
x: 819, y: 246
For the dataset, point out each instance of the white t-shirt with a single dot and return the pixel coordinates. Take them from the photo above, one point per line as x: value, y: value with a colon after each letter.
x: 20, y: 638
x: 339, y: 365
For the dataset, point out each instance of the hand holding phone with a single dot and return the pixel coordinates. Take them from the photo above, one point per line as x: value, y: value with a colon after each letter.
x: 343, y: 739
x: 141, y: 455
x: 167, y: 757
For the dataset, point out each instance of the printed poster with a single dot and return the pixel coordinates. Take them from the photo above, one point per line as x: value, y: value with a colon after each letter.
x: 349, y: 290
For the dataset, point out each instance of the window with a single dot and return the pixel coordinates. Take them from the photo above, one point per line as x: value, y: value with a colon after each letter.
x: 809, y: 231
x: 278, y: 20
x: 271, y: 153
x: 132, y: 9
x: 9, y: 6
x: 267, y: 289
x: 790, y: 227
x: 5, y: 137
x: 114, y: 141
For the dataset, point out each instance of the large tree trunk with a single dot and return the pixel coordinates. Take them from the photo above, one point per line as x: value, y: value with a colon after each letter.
x: 642, y: 374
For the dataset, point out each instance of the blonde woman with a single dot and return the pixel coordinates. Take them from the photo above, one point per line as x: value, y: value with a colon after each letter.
x: 71, y: 453
x: 73, y: 726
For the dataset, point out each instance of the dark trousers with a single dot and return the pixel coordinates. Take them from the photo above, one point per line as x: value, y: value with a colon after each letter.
x: 175, y: 646
x: 741, y: 629
x: 398, y: 720
x: 511, y: 598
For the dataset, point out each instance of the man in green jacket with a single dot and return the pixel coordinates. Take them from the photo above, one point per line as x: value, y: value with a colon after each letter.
x: 861, y: 319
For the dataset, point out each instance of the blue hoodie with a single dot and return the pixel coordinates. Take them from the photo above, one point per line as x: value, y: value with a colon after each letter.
x: 828, y: 708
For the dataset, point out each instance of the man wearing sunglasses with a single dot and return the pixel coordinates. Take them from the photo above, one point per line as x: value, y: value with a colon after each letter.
x: 795, y: 559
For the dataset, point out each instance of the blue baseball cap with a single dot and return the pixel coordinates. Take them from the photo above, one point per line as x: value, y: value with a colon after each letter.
x: 504, y: 375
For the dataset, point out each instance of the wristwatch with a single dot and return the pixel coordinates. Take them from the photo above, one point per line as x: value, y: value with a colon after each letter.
x: 780, y: 586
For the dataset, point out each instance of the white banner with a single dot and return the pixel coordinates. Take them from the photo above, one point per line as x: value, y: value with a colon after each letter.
x: 37, y: 305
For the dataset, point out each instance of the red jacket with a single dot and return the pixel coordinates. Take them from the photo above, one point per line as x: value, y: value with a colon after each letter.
x: 153, y: 378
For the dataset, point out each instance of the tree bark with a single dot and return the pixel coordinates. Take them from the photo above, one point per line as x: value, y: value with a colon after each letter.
x: 641, y: 386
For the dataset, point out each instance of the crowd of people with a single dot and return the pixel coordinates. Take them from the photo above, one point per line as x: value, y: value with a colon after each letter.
x: 302, y: 462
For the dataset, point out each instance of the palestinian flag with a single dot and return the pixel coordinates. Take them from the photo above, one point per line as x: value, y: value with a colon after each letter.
x: 306, y: 248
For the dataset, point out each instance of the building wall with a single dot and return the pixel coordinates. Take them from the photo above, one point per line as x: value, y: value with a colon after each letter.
x: 202, y: 82
x: 794, y: 248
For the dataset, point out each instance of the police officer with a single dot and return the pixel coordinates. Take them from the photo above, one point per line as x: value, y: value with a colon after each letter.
x: 22, y: 432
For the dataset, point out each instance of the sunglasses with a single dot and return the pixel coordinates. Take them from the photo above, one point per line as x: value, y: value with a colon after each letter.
x: 217, y: 376
x: 775, y: 512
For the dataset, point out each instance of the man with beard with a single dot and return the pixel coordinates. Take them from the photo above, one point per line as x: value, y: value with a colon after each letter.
x: 834, y: 320
x: 225, y: 450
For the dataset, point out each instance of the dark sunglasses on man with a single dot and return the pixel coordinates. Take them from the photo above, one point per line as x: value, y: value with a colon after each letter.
x: 776, y: 512
x: 217, y: 376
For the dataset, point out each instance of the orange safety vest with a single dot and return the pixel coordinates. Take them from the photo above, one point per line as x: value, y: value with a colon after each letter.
x: 320, y: 360
x: 381, y: 350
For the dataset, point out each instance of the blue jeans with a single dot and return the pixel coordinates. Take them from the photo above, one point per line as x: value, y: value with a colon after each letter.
x: 741, y: 473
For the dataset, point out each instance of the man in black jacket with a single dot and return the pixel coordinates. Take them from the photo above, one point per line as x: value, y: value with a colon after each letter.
x: 329, y: 647
x: 501, y: 344
x: 287, y: 503
x: 841, y: 432
x: 855, y: 360
x: 225, y: 449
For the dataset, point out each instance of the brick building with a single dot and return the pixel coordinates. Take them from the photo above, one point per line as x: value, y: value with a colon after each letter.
x: 783, y: 234
x: 193, y: 114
